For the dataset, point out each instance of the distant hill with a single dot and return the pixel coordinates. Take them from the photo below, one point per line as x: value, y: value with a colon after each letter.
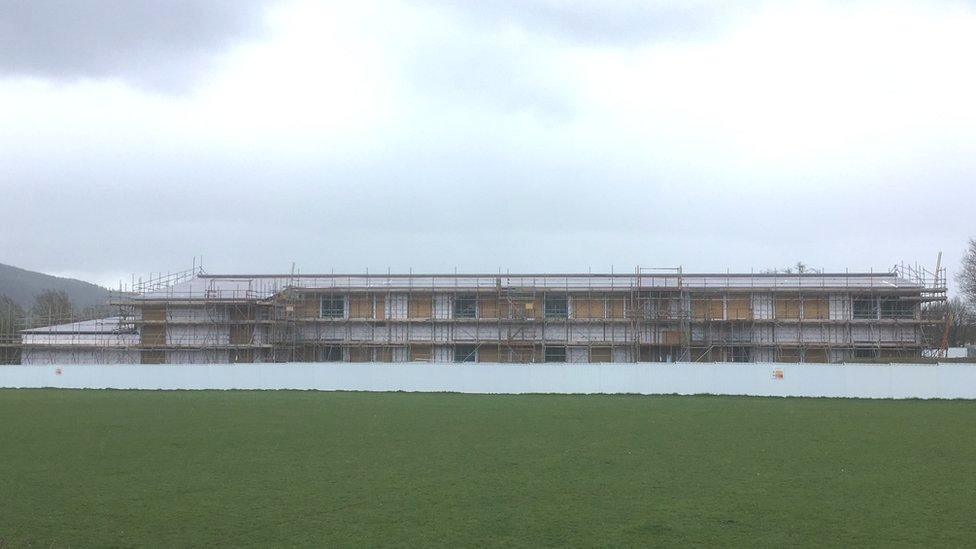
x: 22, y: 285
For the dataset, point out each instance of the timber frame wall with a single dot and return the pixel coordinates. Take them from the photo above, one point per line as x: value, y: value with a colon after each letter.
x: 652, y: 315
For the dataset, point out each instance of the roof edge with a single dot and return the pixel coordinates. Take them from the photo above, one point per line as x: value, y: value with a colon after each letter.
x: 541, y: 275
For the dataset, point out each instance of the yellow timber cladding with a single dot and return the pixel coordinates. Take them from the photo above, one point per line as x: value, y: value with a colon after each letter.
x: 659, y: 315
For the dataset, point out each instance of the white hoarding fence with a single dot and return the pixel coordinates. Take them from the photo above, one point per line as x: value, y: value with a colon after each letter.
x: 809, y: 380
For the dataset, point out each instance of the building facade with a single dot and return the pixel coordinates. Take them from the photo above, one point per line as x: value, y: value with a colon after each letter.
x: 649, y: 315
x: 99, y: 341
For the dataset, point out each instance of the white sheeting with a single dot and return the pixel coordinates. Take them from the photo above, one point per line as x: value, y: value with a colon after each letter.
x: 813, y: 380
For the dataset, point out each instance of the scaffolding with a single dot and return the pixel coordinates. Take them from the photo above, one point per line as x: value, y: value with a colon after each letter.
x: 15, y: 320
x: 650, y: 314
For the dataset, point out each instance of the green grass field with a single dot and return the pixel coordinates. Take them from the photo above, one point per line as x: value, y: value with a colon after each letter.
x: 126, y: 468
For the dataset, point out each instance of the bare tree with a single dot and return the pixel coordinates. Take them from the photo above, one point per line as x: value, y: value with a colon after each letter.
x: 11, y: 316
x: 960, y: 318
x: 966, y: 277
x: 51, y: 307
x: 11, y: 322
x: 799, y: 267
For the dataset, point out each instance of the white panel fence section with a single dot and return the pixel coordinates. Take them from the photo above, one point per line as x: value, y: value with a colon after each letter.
x: 814, y: 380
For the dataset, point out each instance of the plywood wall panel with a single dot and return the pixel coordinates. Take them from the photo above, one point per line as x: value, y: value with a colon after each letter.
x: 360, y: 306
x: 152, y: 357
x: 308, y: 305
x: 601, y: 354
x: 739, y: 307
x: 787, y: 308
x: 360, y: 354
x: 704, y: 307
x: 241, y: 334
x: 818, y: 355
x: 421, y: 353
x: 379, y: 307
x: 154, y: 313
x: 521, y: 354
x: 488, y: 353
x: 815, y: 308
x: 488, y: 307
x: 788, y: 355
x: 672, y: 338
x: 587, y: 308
x: 152, y: 335
x: 419, y: 306
x: 616, y: 307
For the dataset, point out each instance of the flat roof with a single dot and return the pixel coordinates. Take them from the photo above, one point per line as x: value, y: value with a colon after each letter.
x: 110, y: 325
x: 547, y: 275
x: 258, y: 286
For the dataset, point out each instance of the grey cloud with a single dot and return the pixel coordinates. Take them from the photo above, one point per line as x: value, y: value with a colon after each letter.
x: 455, y: 186
x: 472, y: 64
x: 152, y: 44
x: 473, y: 205
x: 600, y: 22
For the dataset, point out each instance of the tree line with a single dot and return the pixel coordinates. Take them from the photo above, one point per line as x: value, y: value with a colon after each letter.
x: 49, y: 308
x: 959, y: 311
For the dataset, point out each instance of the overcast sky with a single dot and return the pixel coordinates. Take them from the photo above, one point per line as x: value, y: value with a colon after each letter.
x: 523, y: 136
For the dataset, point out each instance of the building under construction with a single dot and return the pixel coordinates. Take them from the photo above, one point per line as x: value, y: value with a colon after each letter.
x: 649, y: 315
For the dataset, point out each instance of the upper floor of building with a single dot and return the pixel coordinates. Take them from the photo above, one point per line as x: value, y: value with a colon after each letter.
x: 669, y: 295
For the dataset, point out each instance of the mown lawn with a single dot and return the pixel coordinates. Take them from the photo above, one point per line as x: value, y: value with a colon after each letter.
x: 129, y: 468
